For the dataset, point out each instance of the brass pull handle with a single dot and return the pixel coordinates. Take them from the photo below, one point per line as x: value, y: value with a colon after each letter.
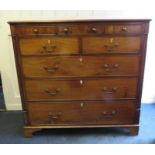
x: 93, y: 29
x: 44, y: 47
x: 52, y: 69
x: 111, y: 67
x: 53, y: 46
x: 54, y: 117
x: 109, y: 114
x: 53, y: 92
x: 35, y: 31
x: 111, y: 46
x: 124, y: 28
x: 111, y: 90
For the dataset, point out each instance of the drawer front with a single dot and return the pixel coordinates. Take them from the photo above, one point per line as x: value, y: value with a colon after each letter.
x: 111, y: 44
x: 82, y: 89
x: 126, y: 28
x: 72, y: 113
x: 35, y: 30
x: 71, y: 66
x: 82, y: 29
x: 42, y: 46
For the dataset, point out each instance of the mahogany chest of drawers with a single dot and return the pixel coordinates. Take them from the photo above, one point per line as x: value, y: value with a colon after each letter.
x: 80, y: 74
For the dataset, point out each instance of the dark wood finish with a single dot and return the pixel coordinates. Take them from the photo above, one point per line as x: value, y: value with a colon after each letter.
x: 111, y: 44
x: 36, y: 30
x: 126, y: 28
x: 133, y: 130
x: 81, y: 73
x: 83, y: 113
x: 52, y: 67
x: 87, y: 89
x: 28, y: 132
x: 54, y: 45
x: 81, y: 29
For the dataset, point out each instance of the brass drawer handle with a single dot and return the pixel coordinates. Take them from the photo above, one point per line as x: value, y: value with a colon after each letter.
x: 52, y: 92
x: 111, y: 46
x: 110, y: 90
x: 53, y: 46
x: 45, y: 48
x: 109, y: 114
x: 111, y: 67
x: 51, y: 69
x: 124, y: 28
x: 52, y: 118
x: 35, y: 31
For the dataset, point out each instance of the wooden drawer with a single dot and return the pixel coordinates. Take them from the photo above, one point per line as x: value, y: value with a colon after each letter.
x: 42, y: 46
x: 111, y: 44
x: 81, y: 29
x: 81, y: 89
x: 35, y: 30
x: 72, y: 66
x: 128, y: 28
x: 72, y: 113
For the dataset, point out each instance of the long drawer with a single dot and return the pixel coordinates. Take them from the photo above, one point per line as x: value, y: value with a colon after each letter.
x: 72, y: 113
x: 71, y: 66
x: 111, y: 44
x: 81, y: 89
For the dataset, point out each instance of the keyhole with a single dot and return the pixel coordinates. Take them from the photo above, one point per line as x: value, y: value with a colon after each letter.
x: 81, y: 104
x: 111, y: 40
x: 48, y: 41
x: 81, y: 82
x: 81, y: 59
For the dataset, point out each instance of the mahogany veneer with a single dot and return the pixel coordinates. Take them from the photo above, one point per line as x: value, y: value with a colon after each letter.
x: 80, y: 74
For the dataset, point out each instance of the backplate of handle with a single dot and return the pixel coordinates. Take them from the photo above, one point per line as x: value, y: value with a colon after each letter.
x: 51, y: 69
x: 53, y: 92
x: 110, y: 90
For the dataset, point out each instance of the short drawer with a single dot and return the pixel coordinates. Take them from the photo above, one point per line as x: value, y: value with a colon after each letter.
x: 81, y: 89
x: 111, y: 44
x: 124, y: 29
x: 128, y: 28
x: 83, y: 113
x: 35, y: 30
x: 44, y: 46
x: 83, y: 66
x: 81, y: 29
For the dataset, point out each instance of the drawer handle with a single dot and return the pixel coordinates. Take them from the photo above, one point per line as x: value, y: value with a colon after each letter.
x: 66, y: 31
x: 124, y: 28
x: 111, y: 67
x: 35, y: 31
x: 109, y: 114
x: 54, y: 117
x: 52, y: 92
x: 111, y: 46
x: 110, y: 90
x: 45, y: 48
x: 53, y: 46
x: 51, y: 69
x: 93, y: 29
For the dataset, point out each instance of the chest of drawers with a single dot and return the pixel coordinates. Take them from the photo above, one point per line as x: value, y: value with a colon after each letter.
x: 80, y: 74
